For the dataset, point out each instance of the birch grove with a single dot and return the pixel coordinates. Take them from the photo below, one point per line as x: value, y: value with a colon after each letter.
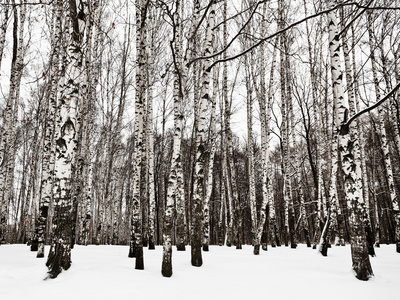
x: 195, y: 123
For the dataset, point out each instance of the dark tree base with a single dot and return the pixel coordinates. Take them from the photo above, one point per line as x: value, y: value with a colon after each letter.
x: 166, y: 266
x: 205, y: 247
x: 324, y: 249
x: 238, y: 244
x: 256, y: 250
x: 197, y: 260
x: 370, y: 241
x: 166, y: 269
x: 363, y: 271
x: 34, y: 245
x: 180, y: 247
x: 139, y: 263
x: 59, y: 259
x: 151, y: 244
x: 131, y: 253
x: 265, y: 247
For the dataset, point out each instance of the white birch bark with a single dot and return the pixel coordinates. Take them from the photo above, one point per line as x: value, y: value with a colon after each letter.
x: 268, y: 170
x: 66, y: 147
x: 261, y: 93
x: 150, y: 147
x: 231, y: 171
x: 250, y: 153
x: 201, y: 150
x: 223, y: 214
x: 49, y: 145
x: 84, y: 175
x: 136, y: 234
x: 284, y: 137
x: 210, y: 167
x: 179, y: 89
x: 348, y: 146
x: 226, y: 127
x: 174, y: 192
x: 291, y: 155
x: 358, y: 155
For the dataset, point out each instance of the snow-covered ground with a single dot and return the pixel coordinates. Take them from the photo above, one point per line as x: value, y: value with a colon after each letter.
x: 106, y: 272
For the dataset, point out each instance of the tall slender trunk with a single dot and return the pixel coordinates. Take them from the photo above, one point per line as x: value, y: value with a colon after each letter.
x: 150, y: 145
x: 348, y: 146
x: 174, y: 192
x: 250, y: 152
x: 49, y: 145
x: 136, y: 235
x: 210, y: 166
x: 261, y: 93
x: 287, y: 194
x: 66, y: 144
x: 201, y: 147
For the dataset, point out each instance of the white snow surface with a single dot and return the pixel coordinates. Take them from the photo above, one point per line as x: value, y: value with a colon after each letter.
x: 106, y: 272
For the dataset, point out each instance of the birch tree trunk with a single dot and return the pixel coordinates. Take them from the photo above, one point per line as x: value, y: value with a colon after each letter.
x: 348, y: 146
x: 66, y: 146
x: 92, y: 73
x: 250, y: 154
x: 150, y: 147
x: 264, y: 141
x: 174, y: 192
x: 210, y: 167
x: 226, y: 127
x: 223, y: 216
x: 287, y: 195
x: 49, y: 145
x: 136, y: 234
x: 201, y: 151
x: 359, y: 156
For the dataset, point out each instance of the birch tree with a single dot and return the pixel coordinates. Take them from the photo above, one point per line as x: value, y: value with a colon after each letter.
x: 59, y: 257
x: 136, y: 244
x: 175, y: 180
x: 49, y: 145
x: 198, y: 193
x: 348, y: 146
x: 212, y: 147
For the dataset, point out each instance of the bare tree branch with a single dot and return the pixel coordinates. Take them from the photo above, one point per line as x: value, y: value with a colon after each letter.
x: 345, y: 127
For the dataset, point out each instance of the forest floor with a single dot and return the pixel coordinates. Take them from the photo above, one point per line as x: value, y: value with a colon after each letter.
x: 106, y: 272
